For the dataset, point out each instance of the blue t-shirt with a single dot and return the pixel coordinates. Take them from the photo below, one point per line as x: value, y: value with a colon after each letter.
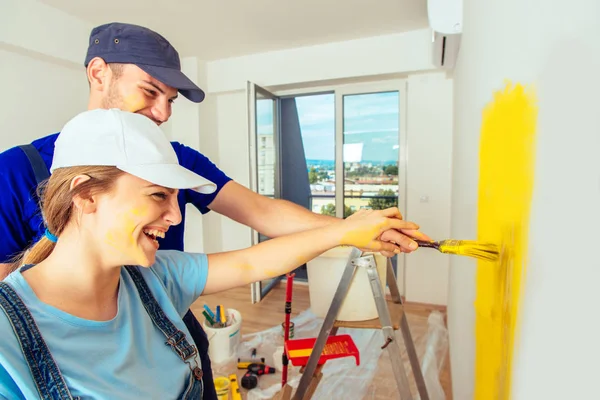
x: 20, y: 219
x: 124, y: 358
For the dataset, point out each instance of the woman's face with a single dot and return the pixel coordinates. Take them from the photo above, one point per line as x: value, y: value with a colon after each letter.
x: 130, y: 218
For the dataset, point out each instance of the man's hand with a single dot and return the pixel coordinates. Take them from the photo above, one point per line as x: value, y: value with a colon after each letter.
x: 403, y: 238
x: 274, y: 218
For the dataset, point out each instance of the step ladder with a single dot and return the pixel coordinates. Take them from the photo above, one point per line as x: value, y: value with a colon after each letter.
x: 387, y: 322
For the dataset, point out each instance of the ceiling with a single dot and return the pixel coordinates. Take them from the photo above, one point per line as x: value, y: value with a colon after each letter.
x: 209, y: 30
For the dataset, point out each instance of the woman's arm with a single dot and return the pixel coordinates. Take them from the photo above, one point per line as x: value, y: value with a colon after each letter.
x: 280, y: 255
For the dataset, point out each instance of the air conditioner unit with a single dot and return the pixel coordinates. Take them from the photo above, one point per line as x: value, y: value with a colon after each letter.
x: 445, y: 20
x: 445, y: 49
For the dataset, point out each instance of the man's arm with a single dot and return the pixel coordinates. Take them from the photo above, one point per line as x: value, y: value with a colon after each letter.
x: 271, y: 217
x: 275, y: 217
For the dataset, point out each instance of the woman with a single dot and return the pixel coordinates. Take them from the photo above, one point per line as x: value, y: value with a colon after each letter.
x: 94, y: 309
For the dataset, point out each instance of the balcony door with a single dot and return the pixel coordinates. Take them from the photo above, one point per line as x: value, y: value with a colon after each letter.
x: 265, y: 164
x: 335, y: 150
x: 371, y: 152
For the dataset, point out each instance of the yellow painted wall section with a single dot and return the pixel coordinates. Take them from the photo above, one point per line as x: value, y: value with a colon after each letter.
x: 506, y: 176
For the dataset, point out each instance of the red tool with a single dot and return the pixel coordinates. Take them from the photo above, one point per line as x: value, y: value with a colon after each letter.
x: 286, y: 333
x: 298, y: 350
x: 250, y: 378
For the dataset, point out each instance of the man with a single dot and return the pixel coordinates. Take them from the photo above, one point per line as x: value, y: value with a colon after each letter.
x: 137, y: 70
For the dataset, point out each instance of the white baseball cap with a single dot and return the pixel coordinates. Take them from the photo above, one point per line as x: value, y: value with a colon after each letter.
x: 131, y: 142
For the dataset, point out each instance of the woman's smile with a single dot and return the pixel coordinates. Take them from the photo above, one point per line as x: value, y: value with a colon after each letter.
x: 152, y: 234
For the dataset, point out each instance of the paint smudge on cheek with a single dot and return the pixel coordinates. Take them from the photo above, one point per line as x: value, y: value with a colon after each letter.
x: 123, y: 237
x: 506, y: 175
x: 134, y: 102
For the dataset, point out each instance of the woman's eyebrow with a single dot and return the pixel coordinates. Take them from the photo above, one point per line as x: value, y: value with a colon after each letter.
x: 170, y: 190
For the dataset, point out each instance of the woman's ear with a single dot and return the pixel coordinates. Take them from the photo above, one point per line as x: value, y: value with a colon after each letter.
x: 78, y: 180
x: 85, y: 205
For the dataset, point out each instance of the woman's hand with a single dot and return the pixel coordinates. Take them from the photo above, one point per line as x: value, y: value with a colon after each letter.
x: 282, y: 254
x: 364, y: 228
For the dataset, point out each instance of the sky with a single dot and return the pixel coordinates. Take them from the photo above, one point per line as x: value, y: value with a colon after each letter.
x: 371, y: 119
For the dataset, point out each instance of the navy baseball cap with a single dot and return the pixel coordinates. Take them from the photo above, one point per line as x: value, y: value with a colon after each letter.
x: 133, y: 44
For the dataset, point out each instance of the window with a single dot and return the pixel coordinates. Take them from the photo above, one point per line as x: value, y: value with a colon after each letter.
x: 370, y: 151
x: 316, y: 115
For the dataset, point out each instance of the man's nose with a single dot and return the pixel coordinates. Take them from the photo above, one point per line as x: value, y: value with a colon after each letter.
x: 161, y: 111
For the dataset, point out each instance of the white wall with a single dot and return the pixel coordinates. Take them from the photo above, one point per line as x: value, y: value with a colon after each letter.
x: 41, y: 70
x: 36, y: 27
x: 429, y: 178
x: 558, y: 52
x: 388, y: 54
x: 429, y: 122
x: 38, y: 97
x: 209, y: 146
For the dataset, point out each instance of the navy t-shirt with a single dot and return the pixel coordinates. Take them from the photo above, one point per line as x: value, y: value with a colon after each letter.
x: 20, y: 217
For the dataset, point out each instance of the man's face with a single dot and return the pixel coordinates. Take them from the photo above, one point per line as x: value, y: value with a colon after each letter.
x: 133, y: 90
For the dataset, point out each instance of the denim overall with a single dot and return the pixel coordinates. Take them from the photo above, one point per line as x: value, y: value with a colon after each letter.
x: 46, y: 374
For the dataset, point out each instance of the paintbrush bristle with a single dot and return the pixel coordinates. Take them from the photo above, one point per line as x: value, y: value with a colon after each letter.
x: 470, y: 248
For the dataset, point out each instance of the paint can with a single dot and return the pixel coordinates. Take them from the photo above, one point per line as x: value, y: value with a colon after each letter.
x: 278, y: 358
x: 222, y: 387
x: 223, y: 342
x: 324, y: 276
x: 291, y: 329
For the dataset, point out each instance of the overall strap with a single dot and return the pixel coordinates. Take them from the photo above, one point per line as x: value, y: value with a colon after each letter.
x: 175, y: 338
x: 37, y: 162
x: 46, y: 374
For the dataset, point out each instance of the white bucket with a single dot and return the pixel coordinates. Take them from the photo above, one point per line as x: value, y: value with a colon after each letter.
x: 223, y: 342
x: 324, y: 275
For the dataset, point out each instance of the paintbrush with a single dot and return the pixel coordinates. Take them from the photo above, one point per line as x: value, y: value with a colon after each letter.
x: 470, y: 248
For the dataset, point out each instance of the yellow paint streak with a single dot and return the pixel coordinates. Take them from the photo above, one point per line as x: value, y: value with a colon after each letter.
x: 362, y: 238
x: 248, y: 269
x: 123, y: 239
x: 505, y: 189
x: 134, y: 102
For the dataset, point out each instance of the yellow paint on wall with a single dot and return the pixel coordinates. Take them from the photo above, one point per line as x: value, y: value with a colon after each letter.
x: 506, y: 175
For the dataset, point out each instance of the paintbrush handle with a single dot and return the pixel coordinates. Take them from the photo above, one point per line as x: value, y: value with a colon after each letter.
x: 424, y: 243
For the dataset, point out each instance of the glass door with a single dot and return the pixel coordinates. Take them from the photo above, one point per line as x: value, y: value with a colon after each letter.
x: 372, y: 152
x: 352, y: 142
x: 265, y: 165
